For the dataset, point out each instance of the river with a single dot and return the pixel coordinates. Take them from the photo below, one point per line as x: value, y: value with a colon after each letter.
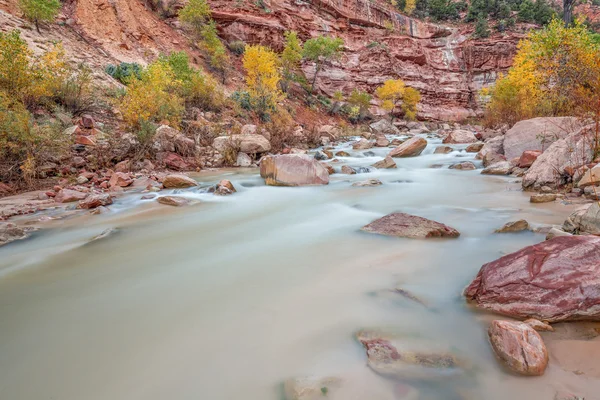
x: 227, y: 298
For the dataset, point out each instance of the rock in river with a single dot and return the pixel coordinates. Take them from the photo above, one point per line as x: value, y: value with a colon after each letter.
x: 174, y: 201
x: 178, y: 181
x: 410, y: 226
x: 411, y: 148
x: 387, y: 162
x: 293, y: 170
x: 514, y: 226
x: 556, y: 280
x: 310, y: 388
x: 368, y: 182
x: 460, y: 136
x: 519, y: 347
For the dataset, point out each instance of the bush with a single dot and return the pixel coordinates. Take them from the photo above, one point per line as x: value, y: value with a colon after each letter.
x: 243, y: 99
x: 237, y: 47
x: 124, y: 72
x: 482, y: 29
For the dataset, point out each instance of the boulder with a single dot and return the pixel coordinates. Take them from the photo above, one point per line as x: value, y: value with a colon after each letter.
x: 382, y: 141
x: 514, y: 226
x: 539, y: 325
x: 542, y: 198
x: 310, y: 388
x: 553, y: 166
x: 499, y: 168
x: 69, y: 196
x: 293, y: 170
x: 368, y: 182
x: 556, y: 280
x: 174, y: 201
x: 243, y: 160
x: 224, y: 188
x: 173, y: 161
x: 387, y: 162
x: 411, y: 148
x: 362, y: 144
x: 246, y: 143
x: 585, y: 220
x: 95, y: 200
x: 443, y: 150
x: 342, y: 154
x: 9, y: 232
x: 493, y: 146
x: 410, y: 226
x: 537, y: 134
x: 528, y: 158
x: 465, y: 166
x: 178, y: 181
x: 329, y: 168
x: 591, y: 177
x: 519, y: 347
x: 167, y: 139
x: 474, y: 148
x: 346, y: 169
x: 385, y: 127
x: 319, y: 155
x: 554, y: 232
x: 120, y: 179
x: 87, y: 121
x: 248, y: 129
x: 460, y: 136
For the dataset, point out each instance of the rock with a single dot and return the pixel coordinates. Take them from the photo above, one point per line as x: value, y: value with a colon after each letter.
x: 362, y: 144
x: 120, y: 179
x: 327, y: 153
x: 411, y: 148
x: 585, y: 220
x: 85, y: 140
x: 554, y: 232
x: 552, y: 167
x: 10, y: 232
x: 514, y: 226
x: 591, y: 177
x: 528, y: 158
x: 174, y: 201
x: 465, y: 166
x: 556, y: 280
x: 123, y: 166
x: 537, y: 134
x: 178, y: 181
x: 342, y: 154
x: 460, y: 136
x: 409, y: 226
x: 79, y: 162
x: 329, y: 168
x: 382, y: 141
x: 539, y: 325
x: 320, y: 156
x: 167, y: 139
x: 243, y: 160
x: 95, y: 200
x: 499, y: 168
x: 368, y: 182
x: 310, y: 388
x: 346, y: 169
x: 250, y: 144
x: 173, y: 161
x: 474, y: 148
x: 81, y: 179
x: 443, y: 150
x: 87, y: 121
x: 385, y: 127
x: 387, y: 162
x: 248, y: 129
x: 542, y: 198
x: 69, y: 196
x: 391, y: 361
x: 293, y: 170
x: 519, y: 347
x: 224, y: 188
x: 492, y: 150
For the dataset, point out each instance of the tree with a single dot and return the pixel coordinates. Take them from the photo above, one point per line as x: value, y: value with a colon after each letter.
x: 482, y: 29
x: 568, y: 6
x: 262, y: 77
x: 218, y: 58
x: 410, y: 6
x: 290, y: 59
x: 320, y: 50
x: 360, y: 101
x: 196, y: 14
x: 409, y: 103
x: 39, y: 10
x: 390, y: 93
x: 527, y: 11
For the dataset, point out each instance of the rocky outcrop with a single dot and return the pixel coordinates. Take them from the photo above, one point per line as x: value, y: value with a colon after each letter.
x: 556, y: 280
x: 411, y: 148
x: 519, y: 347
x: 293, y: 170
x: 443, y: 63
x: 410, y: 226
x: 537, y: 134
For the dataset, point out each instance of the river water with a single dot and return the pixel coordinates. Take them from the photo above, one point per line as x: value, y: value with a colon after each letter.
x: 227, y: 298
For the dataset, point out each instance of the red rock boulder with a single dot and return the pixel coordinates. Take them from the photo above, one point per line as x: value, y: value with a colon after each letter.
x: 556, y: 280
x: 293, y: 170
x: 411, y: 148
x: 410, y: 226
x: 69, y: 196
x: 95, y: 201
x: 528, y: 157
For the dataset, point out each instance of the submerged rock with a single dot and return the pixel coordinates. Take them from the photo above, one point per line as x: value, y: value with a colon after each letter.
x: 519, y: 347
x: 411, y: 148
x: 368, y: 182
x: 310, y: 388
x: 174, y: 201
x: 387, y: 162
x: 178, y: 181
x: 293, y: 170
x: 556, y: 280
x: 342, y: 154
x: 464, y: 166
x: 410, y: 226
x: 514, y: 226
x: 443, y: 150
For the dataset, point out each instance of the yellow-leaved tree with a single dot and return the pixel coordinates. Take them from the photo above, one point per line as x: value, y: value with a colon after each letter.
x: 410, y: 6
x: 411, y: 98
x: 394, y: 91
x: 262, y: 77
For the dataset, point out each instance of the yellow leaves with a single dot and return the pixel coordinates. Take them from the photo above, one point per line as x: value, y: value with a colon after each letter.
x: 410, y: 6
x: 409, y: 103
x: 262, y: 77
x: 394, y: 90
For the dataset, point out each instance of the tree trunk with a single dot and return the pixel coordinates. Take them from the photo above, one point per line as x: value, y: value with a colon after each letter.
x: 568, y: 11
x: 37, y: 26
x: 315, y: 77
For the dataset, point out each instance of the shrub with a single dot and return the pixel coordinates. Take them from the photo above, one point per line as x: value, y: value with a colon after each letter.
x: 218, y: 58
x: 196, y: 14
x: 124, y: 72
x: 237, y: 47
x: 482, y: 29
x: 290, y: 59
x: 243, y: 99
x: 360, y: 100
x: 76, y: 92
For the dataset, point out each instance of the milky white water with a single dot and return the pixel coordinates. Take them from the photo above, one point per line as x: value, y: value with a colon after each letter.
x: 227, y: 298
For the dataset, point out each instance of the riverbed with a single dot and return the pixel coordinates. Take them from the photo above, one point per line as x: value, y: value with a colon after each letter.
x: 230, y: 296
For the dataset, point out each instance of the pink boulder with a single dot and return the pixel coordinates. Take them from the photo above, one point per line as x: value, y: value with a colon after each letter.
x: 69, y: 196
x: 410, y: 226
x: 95, y: 200
x: 556, y: 280
x: 293, y: 170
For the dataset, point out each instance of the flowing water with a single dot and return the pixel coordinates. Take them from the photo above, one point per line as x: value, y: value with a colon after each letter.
x: 227, y: 298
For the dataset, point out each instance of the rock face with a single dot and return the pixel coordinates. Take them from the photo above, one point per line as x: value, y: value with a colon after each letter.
x: 551, y: 168
x: 519, y: 347
x: 446, y: 67
x: 556, y: 280
x: 411, y: 148
x: 537, y: 134
x: 410, y: 226
x: 178, y: 181
x: 248, y: 143
x: 293, y: 170
x: 460, y: 136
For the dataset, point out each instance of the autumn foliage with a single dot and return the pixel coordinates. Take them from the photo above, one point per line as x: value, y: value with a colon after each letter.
x: 393, y: 92
x: 262, y: 78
